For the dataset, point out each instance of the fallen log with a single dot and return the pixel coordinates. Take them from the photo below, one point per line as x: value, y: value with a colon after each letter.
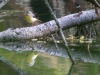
x: 49, y: 27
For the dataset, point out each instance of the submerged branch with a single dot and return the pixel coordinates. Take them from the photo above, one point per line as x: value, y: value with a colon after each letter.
x: 21, y: 72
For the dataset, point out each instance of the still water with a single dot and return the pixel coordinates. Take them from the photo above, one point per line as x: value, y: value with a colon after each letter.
x: 16, y: 60
x: 19, y: 58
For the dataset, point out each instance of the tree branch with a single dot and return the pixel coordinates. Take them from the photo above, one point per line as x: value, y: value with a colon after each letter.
x: 60, y: 30
x: 49, y: 27
x: 3, y: 2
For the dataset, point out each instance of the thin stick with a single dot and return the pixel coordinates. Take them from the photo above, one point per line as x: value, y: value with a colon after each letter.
x: 60, y: 30
x: 54, y: 40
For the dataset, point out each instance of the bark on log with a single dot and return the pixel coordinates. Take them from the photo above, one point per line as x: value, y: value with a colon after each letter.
x: 49, y: 27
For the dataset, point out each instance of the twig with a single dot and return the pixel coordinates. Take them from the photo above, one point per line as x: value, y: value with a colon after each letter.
x: 60, y: 30
x: 22, y: 63
x: 54, y: 40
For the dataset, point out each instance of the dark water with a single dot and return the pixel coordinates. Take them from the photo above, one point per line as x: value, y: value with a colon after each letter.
x: 16, y: 59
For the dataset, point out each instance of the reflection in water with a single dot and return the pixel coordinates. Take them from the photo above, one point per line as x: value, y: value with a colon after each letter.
x: 50, y: 59
x: 31, y: 59
x: 18, y: 70
x: 41, y: 10
x: 9, y: 19
x: 78, y: 52
x: 46, y: 64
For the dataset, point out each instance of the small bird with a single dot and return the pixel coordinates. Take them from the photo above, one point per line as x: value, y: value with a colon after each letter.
x: 31, y: 59
x: 30, y: 18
